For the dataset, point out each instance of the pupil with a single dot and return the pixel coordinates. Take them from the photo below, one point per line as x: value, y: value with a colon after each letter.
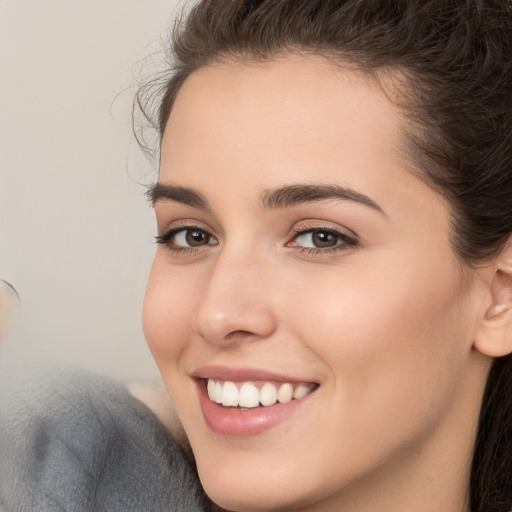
x: 324, y: 239
x: 195, y: 237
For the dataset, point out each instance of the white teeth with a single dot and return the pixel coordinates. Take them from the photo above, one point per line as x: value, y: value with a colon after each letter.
x: 249, y: 396
x: 285, y: 393
x: 218, y: 392
x: 211, y: 389
x: 268, y: 394
x: 302, y: 390
x: 229, y: 394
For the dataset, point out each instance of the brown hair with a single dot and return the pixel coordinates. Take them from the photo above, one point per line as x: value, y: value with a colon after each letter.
x: 451, y: 63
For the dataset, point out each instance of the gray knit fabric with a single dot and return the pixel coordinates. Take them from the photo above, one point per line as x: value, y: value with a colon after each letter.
x: 75, y: 442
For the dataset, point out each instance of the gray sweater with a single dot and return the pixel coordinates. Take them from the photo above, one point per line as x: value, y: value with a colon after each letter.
x: 76, y: 442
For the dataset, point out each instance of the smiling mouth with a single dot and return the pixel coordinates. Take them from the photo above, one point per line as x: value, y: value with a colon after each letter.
x: 249, y: 395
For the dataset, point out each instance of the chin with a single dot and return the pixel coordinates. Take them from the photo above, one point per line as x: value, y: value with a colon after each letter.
x: 251, y: 496
x: 253, y: 482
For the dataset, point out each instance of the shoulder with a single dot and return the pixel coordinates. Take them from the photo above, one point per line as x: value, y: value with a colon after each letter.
x: 74, y: 441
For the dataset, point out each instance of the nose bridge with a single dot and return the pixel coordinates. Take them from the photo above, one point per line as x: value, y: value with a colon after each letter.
x: 235, y: 303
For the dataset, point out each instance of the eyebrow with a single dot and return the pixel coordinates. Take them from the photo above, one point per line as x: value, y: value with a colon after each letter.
x: 292, y: 195
x: 283, y: 197
x: 183, y: 195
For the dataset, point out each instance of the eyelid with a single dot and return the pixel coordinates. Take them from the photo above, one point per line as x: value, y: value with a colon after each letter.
x: 170, y: 232
x: 168, y: 217
x: 346, y: 238
x: 182, y: 223
x: 166, y: 235
x: 345, y: 242
x: 318, y: 225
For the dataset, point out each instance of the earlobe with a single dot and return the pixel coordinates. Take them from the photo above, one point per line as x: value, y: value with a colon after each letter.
x: 493, y: 335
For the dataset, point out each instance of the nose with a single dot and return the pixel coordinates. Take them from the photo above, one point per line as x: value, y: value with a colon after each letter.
x: 236, y: 305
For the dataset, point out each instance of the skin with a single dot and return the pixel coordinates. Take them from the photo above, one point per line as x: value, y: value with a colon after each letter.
x: 385, y: 326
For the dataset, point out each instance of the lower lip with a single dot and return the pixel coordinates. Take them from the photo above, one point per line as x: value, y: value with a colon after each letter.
x: 232, y: 421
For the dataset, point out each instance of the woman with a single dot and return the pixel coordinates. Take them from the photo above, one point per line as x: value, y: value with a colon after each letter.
x: 330, y: 304
x: 332, y: 291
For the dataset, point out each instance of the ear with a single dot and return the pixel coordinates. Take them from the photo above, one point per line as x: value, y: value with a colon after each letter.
x: 493, y: 336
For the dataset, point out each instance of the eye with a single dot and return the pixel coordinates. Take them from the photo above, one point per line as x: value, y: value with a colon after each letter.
x: 318, y: 239
x: 321, y: 239
x: 186, y: 238
x: 191, y: 237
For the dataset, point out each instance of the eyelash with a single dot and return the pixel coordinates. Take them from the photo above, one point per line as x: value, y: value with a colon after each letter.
x: 345, y: 242
x: 165, y: 239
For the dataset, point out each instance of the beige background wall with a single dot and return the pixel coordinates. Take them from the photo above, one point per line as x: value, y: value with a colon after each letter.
x: 76, y: 236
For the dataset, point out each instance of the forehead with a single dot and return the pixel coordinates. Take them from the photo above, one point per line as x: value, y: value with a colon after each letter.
x: 294, y: 89
x: 300, y: 115
x: 287, y: 109
x: 237, y: 129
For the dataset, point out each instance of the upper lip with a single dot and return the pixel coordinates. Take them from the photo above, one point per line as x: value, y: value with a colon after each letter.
x: 244, y: 375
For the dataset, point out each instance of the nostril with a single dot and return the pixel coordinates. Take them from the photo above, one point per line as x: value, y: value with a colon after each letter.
x: 239, y: 334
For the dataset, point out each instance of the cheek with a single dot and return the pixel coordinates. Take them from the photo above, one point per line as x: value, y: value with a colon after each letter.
x: 386, y: 335
x: 166, y: 316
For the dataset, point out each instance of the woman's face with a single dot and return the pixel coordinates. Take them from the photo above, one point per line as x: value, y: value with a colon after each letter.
x: 299, y: 256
